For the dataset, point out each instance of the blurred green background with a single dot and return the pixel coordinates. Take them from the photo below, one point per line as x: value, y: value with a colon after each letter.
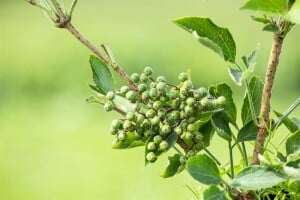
x: 55, y: 147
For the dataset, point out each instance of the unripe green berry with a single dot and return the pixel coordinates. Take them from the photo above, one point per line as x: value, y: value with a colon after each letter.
x: 137, y: 135
x: 151, y: 146
x: 184, y: 125
x: 150, y: 113
x: 191, y: 119
x: 142, y: 87
x: 157, y: 105
x: 144, y: 78
x: 157, y: 139
x: 121, y: 136
x: 130, y: 116
x: 183, y: 77
x: 160, y: 79
x: 148, y: 71
x: 139, y: 118
x: 113, y: 131
x: 110, y: 95
x: 191, y: 127
x: 135, y: 77
x: 127, y: 124
x: 148, y: 133
x: 188, y: 109
x: 183, y: 91
x: 160, y: 86
x: 188, y: 84
x: 199, y: 137
x: 188, y: 135
x: 173, y: 93
x: 202, y: 92
x: 221, y: 101
x: 153, y: 93
x: 163, y: 145
x: 190, y: 101
x: 175, y: 115
x: 146, y: 124
x: 166, y: 129
x: 124, y: 89
x: 183, y: 114
x: 130, y: 95
x: 178, y: 130
x: 161, y: 113
x: 155, y: 120
x: 109, y: 106
x: 155, y: 128
x: 175, y: 103
x: 153, y: 84
x: 204, y: 102
x: 145, y: 96
x: 115, y: 124
x: 151, y: 157
x: 190, y: 154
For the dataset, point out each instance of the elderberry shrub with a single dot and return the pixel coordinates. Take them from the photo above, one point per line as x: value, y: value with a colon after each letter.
x: 163, y: 114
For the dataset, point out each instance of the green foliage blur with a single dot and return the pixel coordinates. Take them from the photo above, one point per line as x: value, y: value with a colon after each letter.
x: 55, y: 147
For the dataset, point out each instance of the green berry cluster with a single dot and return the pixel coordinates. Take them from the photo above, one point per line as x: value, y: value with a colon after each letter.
x: 162, y: 109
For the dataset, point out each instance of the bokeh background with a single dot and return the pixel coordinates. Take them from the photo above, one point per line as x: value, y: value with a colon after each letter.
x: 55, y: 147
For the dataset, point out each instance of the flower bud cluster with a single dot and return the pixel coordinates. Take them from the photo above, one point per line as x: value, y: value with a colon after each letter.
x: 161, y: 109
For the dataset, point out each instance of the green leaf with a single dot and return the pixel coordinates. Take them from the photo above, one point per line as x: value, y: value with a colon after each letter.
x: 236, y: 76
x: 230, y: 108
x: 294, y: 13
x: 261, y: 19
x: 256, y: 178
x: 248, y: 132
x: 210, y: 35
x: 204, y: 169
x: 101, y: 74
x: 124, y: 104
x: 278, y: 7
x: 271, y: 28
x: 296, y: 121
x: 174, y: 163
x: 221, y: 125
x: 214, y: 193
x: 255, y: 89
x: 208, y: 131
x: 129, y: 142
x: 292, y: 144
x: 289, y: 123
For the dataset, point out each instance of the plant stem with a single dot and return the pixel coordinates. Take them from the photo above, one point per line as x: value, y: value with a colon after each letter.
x: 231, y: 160
x: 101, y: 55
x: 264, y: 121
x: 245, y: 154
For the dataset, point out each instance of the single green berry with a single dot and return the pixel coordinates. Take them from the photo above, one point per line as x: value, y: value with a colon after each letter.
x: 130, y: 95
x: 188, y: 135
x: 155, y: 120
x: 153, y: 84
x: 116, y: 124
x: 124, y: 89
x: 221, y: 100
x: 151, y: 157
x: 184, y: 124
x: 153, y: 93
x: 184, y: 91
x: 163, y: 145
x: 109, y: 106
x: 148, y: 133
x: 148, y: 71
x: 121, y: 136
x: 127, y: 124
x: 183, y: 114
x: 157, y: 105
x: 173, y: 93
x: 144, y: 78
x: 137, y: 135
x: 157, y: 139
x: 204, y: 102
x: 160, y: 79
x: 178, y: 130
x: 130, y: 116
x: 151, y: 146
x: 190, y: 101
x: 188, y: 109
x: 155, y: 129
x: 166, y: 129
x: 202, y: 92
x: 199, y: 137
x: 175, y: 103
x: 161, y: 113
x: 146, y: 124
x: 110, y: 95
x: 142, y: 87
x: 183, y: 77
x: 150, y: 113
x: 188, y: 84
x: 113, y: 131
x: 161, y: 86
x: 191, y: 127
x: 145, y: 96
x: 135, y: 77
x: 175, y: 115
x: 191, y: 119
x: 140, y: 118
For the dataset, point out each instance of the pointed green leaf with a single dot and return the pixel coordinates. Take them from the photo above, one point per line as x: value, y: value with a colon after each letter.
x: 230, y: 108
x: 236, y: 76
x: 221, y: 125
x: 129, y: 142
x: 210, y: 35
x: 260, y: 19
x: 255, y: 89
x: 174, y: 163
x: 101, y: 74
x: 270, y: 28
x: 208, y: 131
x: 292, y: 144
x: 256, y: 178
x: 289, y: 123
x: 294, y: 13
x: 248, y: 132
x: 278, y: 7
x: 214, y: 193
x: 204, y: 169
